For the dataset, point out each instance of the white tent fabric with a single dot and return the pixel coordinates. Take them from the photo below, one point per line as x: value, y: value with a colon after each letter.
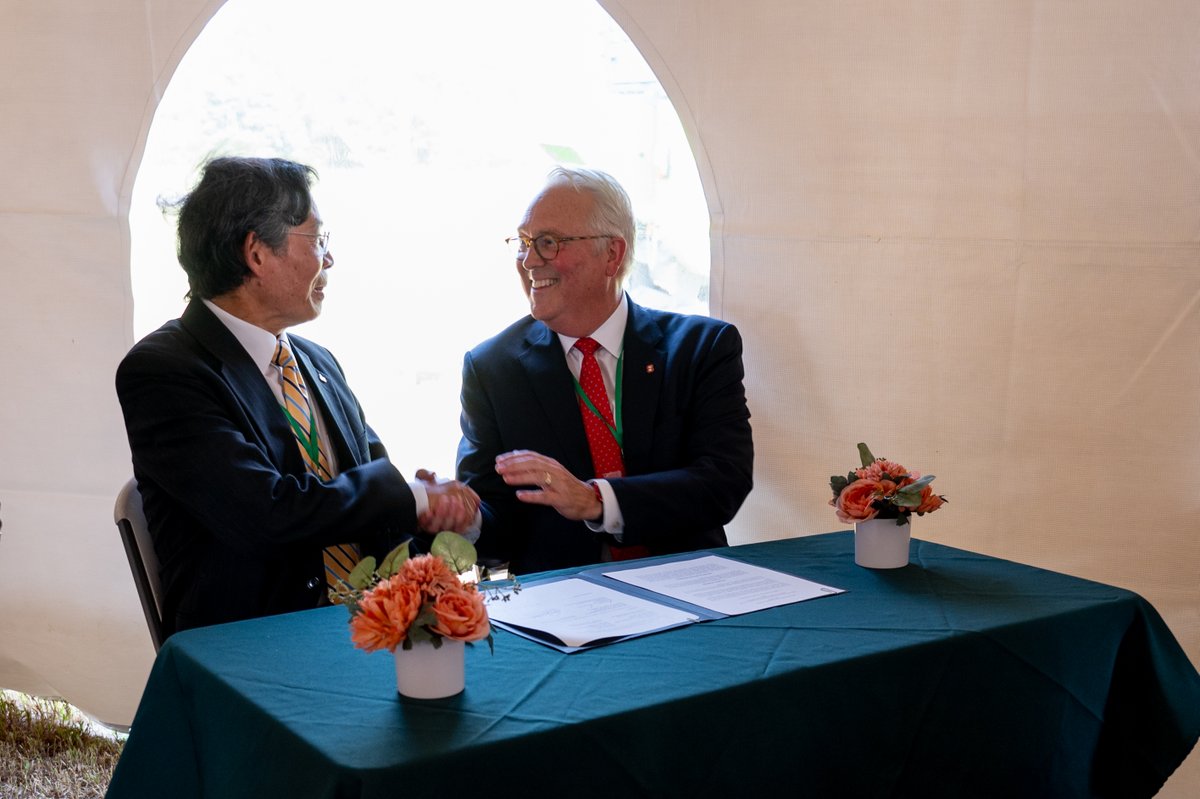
x: 963, y: 232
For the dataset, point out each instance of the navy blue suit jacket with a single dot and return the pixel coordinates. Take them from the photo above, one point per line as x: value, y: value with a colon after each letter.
x: 688, y: 449
x: 237, y: 521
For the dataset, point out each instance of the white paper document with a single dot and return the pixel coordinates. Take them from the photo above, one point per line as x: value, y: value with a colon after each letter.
x: 722, y: 584
x: 578, y: 612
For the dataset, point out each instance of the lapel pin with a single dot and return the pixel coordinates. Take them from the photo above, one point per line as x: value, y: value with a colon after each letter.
x: 321, y: 377
x: 649, y: 368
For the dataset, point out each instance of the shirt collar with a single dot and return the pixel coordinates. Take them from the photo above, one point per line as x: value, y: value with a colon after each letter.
x: 610, y: 335
x: 258, y: 343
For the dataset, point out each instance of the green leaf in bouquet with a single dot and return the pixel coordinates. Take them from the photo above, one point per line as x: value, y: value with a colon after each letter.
x: 919, y: 483
x: 838, y: 484
x: 419, y: 630
x: 393, y: 560
x: 910, y: 495
x: 864, y: 454
x: 457, y: 551
x: 416, y: 635
x: 360, y: 576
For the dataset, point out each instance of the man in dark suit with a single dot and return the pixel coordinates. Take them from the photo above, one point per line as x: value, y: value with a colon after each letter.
x: 668, y: 458
x: 240, y: 513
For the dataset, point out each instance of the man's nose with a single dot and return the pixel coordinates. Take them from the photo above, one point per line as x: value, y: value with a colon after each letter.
x: 531, y: 255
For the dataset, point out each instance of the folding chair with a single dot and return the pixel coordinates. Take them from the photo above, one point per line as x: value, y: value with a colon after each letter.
x: 135, y: 535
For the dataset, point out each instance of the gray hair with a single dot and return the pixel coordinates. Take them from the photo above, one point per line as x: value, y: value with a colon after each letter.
x: 612, y: 213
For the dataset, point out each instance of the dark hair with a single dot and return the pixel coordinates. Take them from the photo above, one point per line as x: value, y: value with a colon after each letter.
x: 236, y: 196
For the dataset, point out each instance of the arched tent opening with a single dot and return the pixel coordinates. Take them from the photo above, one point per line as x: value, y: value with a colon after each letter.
x: 430, y: 137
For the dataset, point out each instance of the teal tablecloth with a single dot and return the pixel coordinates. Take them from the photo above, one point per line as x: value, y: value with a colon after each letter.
x: 959, y: 675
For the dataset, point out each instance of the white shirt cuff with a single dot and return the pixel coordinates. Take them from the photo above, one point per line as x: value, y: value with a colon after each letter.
x: 420, y: 496
x: 612, y: 522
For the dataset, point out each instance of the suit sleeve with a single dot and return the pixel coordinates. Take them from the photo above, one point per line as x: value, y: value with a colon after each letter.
x: 714, y: 457
x: 481, y: 443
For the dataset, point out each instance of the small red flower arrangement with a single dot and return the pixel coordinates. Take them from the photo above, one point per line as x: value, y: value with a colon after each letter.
x: 882, y: 489
x: 409, y: 600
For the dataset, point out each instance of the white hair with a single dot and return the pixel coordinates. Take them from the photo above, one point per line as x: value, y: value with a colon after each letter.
x: 612, y: 213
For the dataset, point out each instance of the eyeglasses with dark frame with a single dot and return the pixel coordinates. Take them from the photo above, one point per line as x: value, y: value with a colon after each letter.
x: 546, y: 246
x: 322, y: 239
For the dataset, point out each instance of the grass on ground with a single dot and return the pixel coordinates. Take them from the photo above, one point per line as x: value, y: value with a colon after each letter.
x: 49, y: 750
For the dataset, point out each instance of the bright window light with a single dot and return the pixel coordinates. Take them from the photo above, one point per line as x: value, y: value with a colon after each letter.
x: 432, y: 126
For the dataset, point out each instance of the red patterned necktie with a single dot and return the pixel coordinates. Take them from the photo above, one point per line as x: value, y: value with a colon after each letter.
x: 607, y: 460
x: 340, y: 559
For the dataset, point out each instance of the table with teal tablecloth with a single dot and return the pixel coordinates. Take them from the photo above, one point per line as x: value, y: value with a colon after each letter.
x: 959, y: 675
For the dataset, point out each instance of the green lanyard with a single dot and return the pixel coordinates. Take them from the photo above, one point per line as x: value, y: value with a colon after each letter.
x: 617, y: 432
x: 311, y: 443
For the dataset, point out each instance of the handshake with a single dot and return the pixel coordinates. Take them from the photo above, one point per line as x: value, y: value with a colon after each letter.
x: 452, y: 505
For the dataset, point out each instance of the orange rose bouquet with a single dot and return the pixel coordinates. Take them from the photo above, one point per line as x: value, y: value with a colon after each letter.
x: 882, y: 489
x: 406, y: 600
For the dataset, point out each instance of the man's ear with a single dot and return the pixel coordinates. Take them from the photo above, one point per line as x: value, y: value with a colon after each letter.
x: 616, y: 256
x: 253, y: 251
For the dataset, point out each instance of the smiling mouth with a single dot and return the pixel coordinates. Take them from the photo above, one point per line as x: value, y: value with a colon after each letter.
x: 544, y: 283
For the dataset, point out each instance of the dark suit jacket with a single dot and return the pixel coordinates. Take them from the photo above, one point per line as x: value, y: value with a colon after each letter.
x: 237, y: 522
x: 688, y: 449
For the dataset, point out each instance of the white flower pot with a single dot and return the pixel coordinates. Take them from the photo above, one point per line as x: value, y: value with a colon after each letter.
x: 881, y: 544
x: 427, y: 673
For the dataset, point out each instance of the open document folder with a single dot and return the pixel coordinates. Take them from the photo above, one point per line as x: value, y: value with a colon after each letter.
x: 614, y: 602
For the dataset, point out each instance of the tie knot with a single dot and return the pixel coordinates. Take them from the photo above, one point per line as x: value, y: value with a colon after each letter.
x: 283, y: 356
x: 587, y: 346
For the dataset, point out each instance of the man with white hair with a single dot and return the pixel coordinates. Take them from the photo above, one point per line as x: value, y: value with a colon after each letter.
x: 595, y: 429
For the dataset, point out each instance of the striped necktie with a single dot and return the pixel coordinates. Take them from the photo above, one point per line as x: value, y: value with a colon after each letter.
x: 340, y: 559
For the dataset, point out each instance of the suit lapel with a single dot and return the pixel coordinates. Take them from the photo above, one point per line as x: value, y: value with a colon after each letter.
x: 336, y: 423
x: 247, y: 384
x: 551, y: 384
x: 645, y: 360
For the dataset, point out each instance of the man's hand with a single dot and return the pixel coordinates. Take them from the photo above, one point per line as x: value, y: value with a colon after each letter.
x: 556, y: 486
x: 452, y: 505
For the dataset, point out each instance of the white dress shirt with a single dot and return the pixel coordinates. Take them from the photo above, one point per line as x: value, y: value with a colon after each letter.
x: 611, y: 338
